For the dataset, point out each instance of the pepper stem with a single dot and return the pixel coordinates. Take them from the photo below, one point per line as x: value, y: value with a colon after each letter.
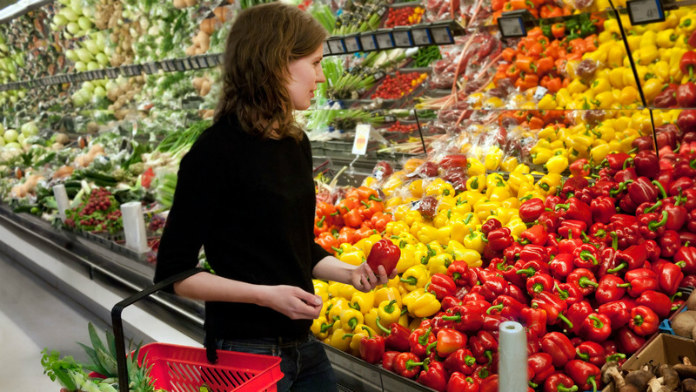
x: 653, y: 207
x: 627, y: 162
x: 527, y: 271
x: 615, y: 357
x: 586, y: 254
x: 617, y: 269
x: 565, y: 320
x: 661, y: 188
x: 494, y: 307
x: 564, y: 206
x: 375, y: 198
x: 614, y: 240
x: 456, y: 317
x: 582, y: 355
x: 654, y: 225
x: 430, y: 347
x: 591, y: 381
x: 584, y: 281
x: 410, y: 280
x: 389, y: 308
x: 596, y: 322
x: 563, y: 388
x: 381, y: 327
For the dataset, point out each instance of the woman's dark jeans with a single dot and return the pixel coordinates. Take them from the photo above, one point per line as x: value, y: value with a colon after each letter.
x: 303, y: 362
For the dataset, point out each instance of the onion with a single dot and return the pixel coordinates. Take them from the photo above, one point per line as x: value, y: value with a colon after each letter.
x: 69, y: 14
x: 84, y: 23
x: 60, y: 20
x: 73, y: 28
x: 10, y: 135
x: 84, y: 55
x: 92, y: 66
x: 80, y: 66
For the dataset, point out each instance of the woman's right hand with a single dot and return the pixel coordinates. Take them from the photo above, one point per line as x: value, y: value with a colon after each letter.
x: 293, y: 302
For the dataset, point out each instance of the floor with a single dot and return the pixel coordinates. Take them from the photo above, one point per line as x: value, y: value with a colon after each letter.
x: 34, y: 317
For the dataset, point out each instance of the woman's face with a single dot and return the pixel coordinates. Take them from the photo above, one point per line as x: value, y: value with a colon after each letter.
x: 305, y: 73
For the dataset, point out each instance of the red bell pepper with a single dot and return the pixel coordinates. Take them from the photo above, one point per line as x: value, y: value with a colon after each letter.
x: 499, y: 239
x: 585, y: 374
x: 448, y: 341
x: 461, y: 274
x: 609, y: 290
x: 657, y: 301
x: 407, y: 364
x: 603, y: 208
x: 561, y: 266
x: 591, y: 352
x: 646, y: 163
x: 676, y: 216
x: 384, y: 253
x: 419, y: 339
x: 584, y: 279
x: 643, y: 321
x: 669, y: 276
x: 653, y: 250
x: 535, y: 254
x: 640, y: 280
x: 531, y: 210
x: 540, y: 367
x: 388, y: 360
x: 441, y: 286
x: 535, y: 235
x: 580, y: 168
x: 686, y: 93
x: 490, y: 225
x: 559, y: 347
x: 576, y: 210
x: 559, y: 382
x: 652, y: 225
x: 534, y: 320
x: 489, y: 384
x: 585, y: 256
x: 571, y: 227
x: 539, y: 282
x: 568, y: 292
x: 550, y: 221
x: 628, y: 341
x: 569, y: 245
x: 596, y: 327
x: 554, y: 306
x: 619, y: 312
x: 450, y: 302
x: 483, y: 345
x: 459, y: 382
x: 634, y: 256
x: 397, y: 337
x: 433, y: 376
x: 466, y: 318
x: 372, y: 348
x: 461, y: 361
x: 687, y: 120
x: 687, y: 255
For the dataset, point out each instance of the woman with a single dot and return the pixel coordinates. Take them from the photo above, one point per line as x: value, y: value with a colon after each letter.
x: 246, y: 194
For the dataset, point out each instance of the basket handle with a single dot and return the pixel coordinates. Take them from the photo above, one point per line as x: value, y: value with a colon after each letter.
x: 118, y: 323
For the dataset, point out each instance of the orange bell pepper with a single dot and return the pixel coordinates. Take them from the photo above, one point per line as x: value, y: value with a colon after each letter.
x: 544, y: 65
x: 524, y: 63
x: 508, y: 54
x: 527, y: 81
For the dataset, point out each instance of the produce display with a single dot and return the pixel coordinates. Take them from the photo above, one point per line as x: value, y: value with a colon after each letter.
x: 513, y: 179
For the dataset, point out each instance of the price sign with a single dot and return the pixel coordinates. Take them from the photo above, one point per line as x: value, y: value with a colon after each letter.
x: 645, y: 11
x: 362, y: 136
x: 337, y: 46
x: 442, y: 35
x: 421, y: 37
x: 512, y: 27
x: 327, y: 50
x: 368, y: 42
x: 179, y: 65
x: 385, y: 40
x: 188, y: 64
x: 203, y: 61
x: 403, y: 39
x: 352, y: 44
x: 111, y: 73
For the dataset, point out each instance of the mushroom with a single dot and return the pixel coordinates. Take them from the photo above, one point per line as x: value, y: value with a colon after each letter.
x: 689, y: 385
x: 657, y: 385
x: 685, y: 369
x: 640, y: 378
x: 670, y: 377
x: 611, y: 373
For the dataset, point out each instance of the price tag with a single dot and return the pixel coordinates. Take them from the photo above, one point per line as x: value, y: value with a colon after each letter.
x: 645, y: 11
x: 187, y: 64
x: 179, y: 65
x: 111, y: 73
x: 368, y: 42
x: 362, y: 136
x: 385, y: 40
x: 337, y: 46
x: 441, y: 35
x: 421, y: 37
x: 202, y: 61
x: 352, y: 44
x: 403, y: 39
x: 512, y: 27
x: 327, y: 50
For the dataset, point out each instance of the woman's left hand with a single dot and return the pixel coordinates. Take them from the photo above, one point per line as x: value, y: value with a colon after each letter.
x: 364, y: 279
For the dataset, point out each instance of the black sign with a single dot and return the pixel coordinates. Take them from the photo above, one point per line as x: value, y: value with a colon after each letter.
x: 337, y: 46
x: 352, y: 43
x: 368, y: 42
x: 403, y: 38
x: 421, y: 37
x: 385, y: 40
x: 441, y: 35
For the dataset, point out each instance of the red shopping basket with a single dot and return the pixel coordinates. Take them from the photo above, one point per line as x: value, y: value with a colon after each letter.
x: 186, y: 369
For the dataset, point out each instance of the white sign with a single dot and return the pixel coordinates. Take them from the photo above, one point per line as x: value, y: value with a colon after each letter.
x: 442, y: 35
x: 352, y: 44
x: 385, y: 40
x: 362, y: 136
x: 336, y: 46
x: 402, y: 39
x: 421, y: 37
x: 368, y: 42
x: 512, y: 27
x: 645, y: 11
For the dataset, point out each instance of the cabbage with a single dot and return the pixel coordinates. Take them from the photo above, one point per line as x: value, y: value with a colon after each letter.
x: 84, y: 23
x: 29, y: 129
x: 80, y: 66
x: 10, y: 135
x: 73, y: 28
x: 69, y: 14
x: 84, y: 55
x: 60, y: 20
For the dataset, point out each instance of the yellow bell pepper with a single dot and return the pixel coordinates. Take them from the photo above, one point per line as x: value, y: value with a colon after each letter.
x: 439, y: 263
x: 549, y: 182
x: 320, y: 328
x: 340, y: 339
x: 461, y: 207
x: 505, y: 214
x: 404, y: 319
x: 651, y: 88
x: 439, y: 187
x: 365, y: 244
x: 475, y: 167
x: 475, y: 241
x: 416, y: 188
x: 556, y: 164
x: 350, y: 318
x: 415, y: 277
x: 321, y: 289
x: 388, y: 312
x: 516, y: 226
x: 387, y: 294
x: 412, y: 217
x: 396, y: 228
x: 348, y: 253
x: 509, y: 164
x: 363, y: 301
x: 428, y: 233
x: 336, y: 307
x: 599, y: 152
x: 407, y: 258
x: 422, y: 304
x: 493, y: 158
x: 476, y: 183
x: 441, y: 219
x: 371, y: 319
x: 485, y: 208
x: 547, y: 102
x: 361, y: 331
x: 541, y: 156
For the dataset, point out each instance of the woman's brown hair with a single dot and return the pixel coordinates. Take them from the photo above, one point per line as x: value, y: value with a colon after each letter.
x: 263, y: 40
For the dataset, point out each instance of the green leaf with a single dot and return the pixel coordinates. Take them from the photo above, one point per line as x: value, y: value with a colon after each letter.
x: 96, y: 365
x: 96, y: 340
x: 111, y: 341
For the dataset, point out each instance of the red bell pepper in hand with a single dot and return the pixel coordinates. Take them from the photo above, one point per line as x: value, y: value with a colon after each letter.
x: 619, y: 312
x: 643, y: 321
x: 540, y: 367
x: 576, y: 210
x: 407, y: 364
x: 687, y: 255
x: 669, y: 276
x: 584, y: 279
x: 441, y: 286
x: 372, y: 348
x: 561, y: 266
x: 459, y: 382
x: 640, y: 280
x: 559, y: 382
x: 657, y: 301
x: 384, y: 253
x: 559, y: 347
x: 448, y: 341
x: 554, y: 307
x: 596, y: 327
x: 609, y: 289
x: 388, y: 360
x: 461, y: 361
x: 585, y: 374
x: 483, y: 345
x: 531, y: 210
x: 433, y: 376
x: 535, y: 235
x: 603, y: 208
x: 628, y: 341
x: 591, y: 352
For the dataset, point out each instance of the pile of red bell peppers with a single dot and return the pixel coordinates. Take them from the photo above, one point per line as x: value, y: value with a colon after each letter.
x: 591, y: 278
